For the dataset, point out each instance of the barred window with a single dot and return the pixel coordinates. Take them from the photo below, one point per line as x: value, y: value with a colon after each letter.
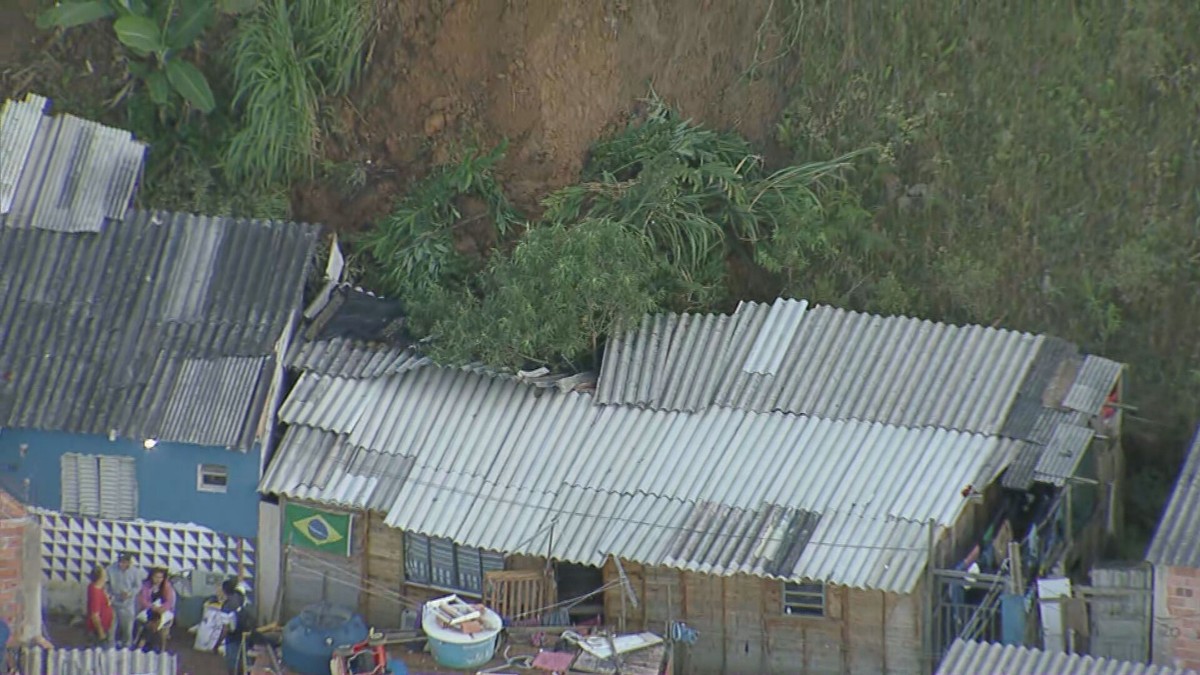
x: 803, y: 599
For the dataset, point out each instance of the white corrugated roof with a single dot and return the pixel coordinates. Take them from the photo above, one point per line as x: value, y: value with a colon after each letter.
x: 502, y: 466
x: 823, y: 361
x: 986, y: 658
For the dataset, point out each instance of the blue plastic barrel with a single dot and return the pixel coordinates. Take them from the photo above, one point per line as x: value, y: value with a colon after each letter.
x: 310, y: 638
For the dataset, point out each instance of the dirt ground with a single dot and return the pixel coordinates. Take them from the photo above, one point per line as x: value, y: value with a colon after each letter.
x: 64, y: 635
x: 548, y: 76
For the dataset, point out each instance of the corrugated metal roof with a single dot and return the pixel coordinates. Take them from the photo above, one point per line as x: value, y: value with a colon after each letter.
x: 1030, y: 407
x: 1062, y: 454
x: 821, y: 361
x: 498, y: 464
x: 342, y: 357
x: 64, y: 173
x: 1020, y: 472
x: 1176, y: 543
x: 321, y: 466
x: 985, y: 658
x: 158, y: 326
x: 1092, y: 385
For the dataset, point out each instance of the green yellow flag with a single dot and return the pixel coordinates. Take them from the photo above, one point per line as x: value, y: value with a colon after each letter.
x: 316, y: 529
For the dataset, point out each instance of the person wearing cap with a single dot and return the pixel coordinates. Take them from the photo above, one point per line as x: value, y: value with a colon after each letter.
x: 124, y: 582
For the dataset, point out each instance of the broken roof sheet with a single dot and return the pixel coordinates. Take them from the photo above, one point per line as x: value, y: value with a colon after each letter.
x: 354, y: 333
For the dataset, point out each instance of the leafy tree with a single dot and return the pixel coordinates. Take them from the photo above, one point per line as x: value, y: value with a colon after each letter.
x: 662, y: 208
x: 551, y: 302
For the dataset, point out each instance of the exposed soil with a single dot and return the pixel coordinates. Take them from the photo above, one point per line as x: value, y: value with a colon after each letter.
x: 81, y: 70
x: 17, y: 36
x: 548, y: 76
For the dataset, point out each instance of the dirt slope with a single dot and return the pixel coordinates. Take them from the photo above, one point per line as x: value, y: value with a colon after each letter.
x: 548, y: 75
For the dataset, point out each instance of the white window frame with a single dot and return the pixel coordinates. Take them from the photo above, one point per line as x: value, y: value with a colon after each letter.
x: 101, y: 486
x: 804, y: 599
x: 203, y: 470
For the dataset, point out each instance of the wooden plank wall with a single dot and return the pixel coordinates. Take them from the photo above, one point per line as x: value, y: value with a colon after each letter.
x: 385, y: 573
x: 268, y: 567
x: 743, y: 629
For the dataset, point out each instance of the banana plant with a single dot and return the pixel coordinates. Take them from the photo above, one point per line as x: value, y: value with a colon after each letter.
x: 156, y: 33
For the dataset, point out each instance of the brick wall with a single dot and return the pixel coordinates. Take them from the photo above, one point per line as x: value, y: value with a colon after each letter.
x: 1179, y: 629
x: 14, y: 522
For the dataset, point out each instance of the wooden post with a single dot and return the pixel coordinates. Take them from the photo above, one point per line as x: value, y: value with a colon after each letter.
x: 1014, y: 565
x: 623, y: 592
x: 1070, y: 517
x: 364, y: 598
x: 927, y: 641
x: 883, y: 635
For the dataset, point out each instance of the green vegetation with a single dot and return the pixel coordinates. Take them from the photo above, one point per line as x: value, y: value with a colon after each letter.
x: 1036, y: 168
x: 662, y: 208
x: 156, y: 35
x: 287, y: 58
x: 552, y: 300
x: 702, y: 196
x: 251, y: 124
x: 414, y: 248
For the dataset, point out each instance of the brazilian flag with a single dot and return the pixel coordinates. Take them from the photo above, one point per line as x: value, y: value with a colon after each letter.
x: 316, y: 529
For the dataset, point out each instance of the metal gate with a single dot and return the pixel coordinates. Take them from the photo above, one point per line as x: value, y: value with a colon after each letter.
x: 966, y: 606
x: 1120, y: 602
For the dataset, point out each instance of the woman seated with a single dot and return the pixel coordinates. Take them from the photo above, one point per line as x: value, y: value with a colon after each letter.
x: 100, y: 614
x: 156, y: 610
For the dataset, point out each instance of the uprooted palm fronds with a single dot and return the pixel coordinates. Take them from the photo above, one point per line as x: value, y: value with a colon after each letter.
x: 697, y: 194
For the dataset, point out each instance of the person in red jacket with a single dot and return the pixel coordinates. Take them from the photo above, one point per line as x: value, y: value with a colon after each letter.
x: 99, y: 608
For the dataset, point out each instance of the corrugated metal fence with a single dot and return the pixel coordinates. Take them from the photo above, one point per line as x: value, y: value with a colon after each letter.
x: 38, y: 661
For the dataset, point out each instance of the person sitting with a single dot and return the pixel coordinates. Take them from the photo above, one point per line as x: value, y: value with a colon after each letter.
x: 156, y: 610
x: 100, y: 614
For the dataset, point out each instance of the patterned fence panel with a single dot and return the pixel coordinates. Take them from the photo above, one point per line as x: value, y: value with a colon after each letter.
x: 71, y: 545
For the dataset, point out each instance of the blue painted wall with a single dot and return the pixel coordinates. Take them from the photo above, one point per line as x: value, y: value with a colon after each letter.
x: 166, y: 477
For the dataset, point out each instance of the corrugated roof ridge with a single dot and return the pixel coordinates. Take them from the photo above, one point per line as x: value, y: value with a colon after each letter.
x: 968, y: 657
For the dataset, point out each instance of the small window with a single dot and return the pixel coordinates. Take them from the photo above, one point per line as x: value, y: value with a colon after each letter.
x: 212, y: 478
x: 803, y: 599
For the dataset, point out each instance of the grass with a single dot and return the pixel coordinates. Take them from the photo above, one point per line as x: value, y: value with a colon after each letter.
x: 287, y: 57
x: 1035, y: 167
